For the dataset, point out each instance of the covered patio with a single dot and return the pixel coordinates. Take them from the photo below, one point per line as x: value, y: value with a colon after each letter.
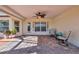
x: 35, y: 25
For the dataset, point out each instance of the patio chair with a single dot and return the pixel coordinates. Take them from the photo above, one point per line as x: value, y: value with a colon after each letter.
x: 64, y: 39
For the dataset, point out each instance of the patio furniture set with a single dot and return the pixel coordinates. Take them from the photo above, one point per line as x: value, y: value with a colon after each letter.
x: 61, y: 37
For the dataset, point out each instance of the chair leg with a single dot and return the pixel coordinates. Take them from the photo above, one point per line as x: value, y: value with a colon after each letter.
x: 61, y: 42
x: 66, y: 43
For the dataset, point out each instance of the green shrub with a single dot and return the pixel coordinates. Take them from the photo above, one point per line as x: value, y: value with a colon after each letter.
x: 13, y: 31
x: 8, y: 32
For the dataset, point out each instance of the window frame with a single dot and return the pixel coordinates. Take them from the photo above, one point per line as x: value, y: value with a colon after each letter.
x: 17, y: 26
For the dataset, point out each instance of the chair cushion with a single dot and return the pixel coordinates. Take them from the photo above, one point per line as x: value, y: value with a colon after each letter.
x: 61, y: 37
x: 59, y: 34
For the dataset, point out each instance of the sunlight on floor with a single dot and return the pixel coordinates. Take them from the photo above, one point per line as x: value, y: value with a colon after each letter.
x: 28, y: 42
x: 8, y: 44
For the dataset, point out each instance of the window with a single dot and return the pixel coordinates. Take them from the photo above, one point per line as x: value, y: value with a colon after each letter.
x: 29, y: 27
x: 16, y: 23
x: 43, y: 26
x: 37, y: 26
x: 4, y: 25
x: 40, y: 26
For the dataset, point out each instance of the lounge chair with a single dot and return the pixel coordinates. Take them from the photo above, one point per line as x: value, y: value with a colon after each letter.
x: 64, y: 39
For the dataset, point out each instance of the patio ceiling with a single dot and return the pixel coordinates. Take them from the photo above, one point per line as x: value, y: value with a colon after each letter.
x: 29, y: 11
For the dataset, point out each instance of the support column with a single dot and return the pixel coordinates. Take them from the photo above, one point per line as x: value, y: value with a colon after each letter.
x: 11, y: 24
x: 20, y: 28
x: 32, y: 27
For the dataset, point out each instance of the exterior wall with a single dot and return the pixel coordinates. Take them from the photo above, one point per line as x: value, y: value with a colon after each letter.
x: 69, y: 20
x: 48, y: 21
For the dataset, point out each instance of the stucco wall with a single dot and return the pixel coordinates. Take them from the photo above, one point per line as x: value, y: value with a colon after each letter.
x: 69, y: 20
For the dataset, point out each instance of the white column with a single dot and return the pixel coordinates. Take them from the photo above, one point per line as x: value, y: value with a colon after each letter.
x: 32, y: 28
x: 11, y: 24
x: 20, y: 27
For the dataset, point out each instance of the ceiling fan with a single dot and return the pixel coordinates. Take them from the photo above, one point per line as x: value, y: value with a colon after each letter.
x: 41, y: 14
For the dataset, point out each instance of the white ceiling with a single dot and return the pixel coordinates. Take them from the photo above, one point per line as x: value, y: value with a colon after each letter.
x: 30, y: 10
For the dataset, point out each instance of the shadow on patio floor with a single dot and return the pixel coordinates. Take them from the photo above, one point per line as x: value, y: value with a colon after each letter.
x: 30, y: 50
x: 41, y: 50
x: 27, y: 50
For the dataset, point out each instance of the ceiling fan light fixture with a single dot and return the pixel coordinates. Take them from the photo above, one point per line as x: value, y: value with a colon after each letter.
x: 40, y: 15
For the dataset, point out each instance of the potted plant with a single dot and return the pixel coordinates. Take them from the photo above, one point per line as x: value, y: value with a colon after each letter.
x: 7, y: 33
x: 13, y: 32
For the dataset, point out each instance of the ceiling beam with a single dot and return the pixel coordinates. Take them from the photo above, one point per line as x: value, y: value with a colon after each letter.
x: 10, y: 11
